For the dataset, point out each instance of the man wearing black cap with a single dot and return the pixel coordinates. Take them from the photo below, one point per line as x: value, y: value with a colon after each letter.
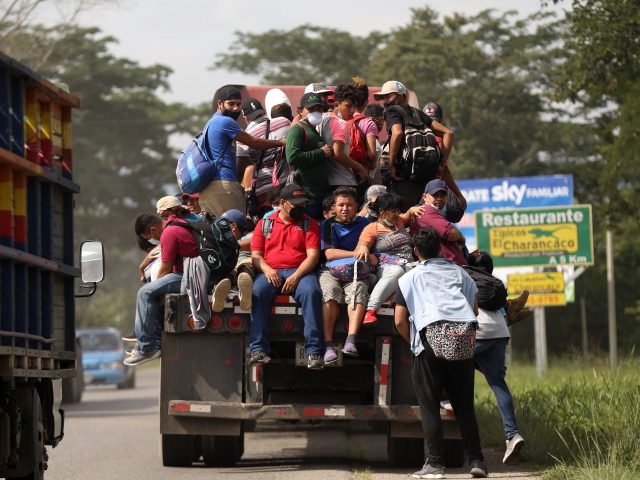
x: 224, y: 191
x: 285, y: 248
x: 452, y: 242
x: 307, y: 154
x: 260, y: 126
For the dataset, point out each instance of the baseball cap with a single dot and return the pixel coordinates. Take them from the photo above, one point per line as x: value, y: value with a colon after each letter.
x: 310, y: 100
x: 433, y: 110
x: 374, y: 191
x: 165, y: 203
x: 392, y: 86
x: 190, y: 195
x: 317, y: 87
x: 236, y: 216
x: 252, y: 108
x: 293, y: 193
x: 435, y: 185
x: 229, y: 93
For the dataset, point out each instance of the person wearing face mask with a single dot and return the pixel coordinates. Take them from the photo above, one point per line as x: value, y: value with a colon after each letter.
x: 394, y: 94
x: 308, y: 155
x: 221, y: 131
x: 285, y: 249
x: 452, y: 242
x: 390, y: 242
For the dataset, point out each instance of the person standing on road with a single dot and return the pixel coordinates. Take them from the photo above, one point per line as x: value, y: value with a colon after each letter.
x: 492, y: 339
x: 224, y: 191
x: 437, y: 290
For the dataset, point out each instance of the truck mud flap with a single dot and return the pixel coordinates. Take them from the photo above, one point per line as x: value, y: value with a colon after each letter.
x: 258, y: 411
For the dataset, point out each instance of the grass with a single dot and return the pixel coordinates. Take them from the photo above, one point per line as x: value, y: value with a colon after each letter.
x: 579, y: 421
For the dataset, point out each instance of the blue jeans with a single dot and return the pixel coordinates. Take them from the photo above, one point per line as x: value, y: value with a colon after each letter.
x: 307, y: 293
x: 149, y: 308
x: 489, y: 356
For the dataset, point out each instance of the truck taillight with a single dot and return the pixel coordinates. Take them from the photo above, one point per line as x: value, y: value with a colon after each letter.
x: 235, y: 323
x: 216, y: 322
x: 287, y: 326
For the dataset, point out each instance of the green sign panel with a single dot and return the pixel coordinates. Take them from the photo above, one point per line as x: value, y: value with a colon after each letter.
x: 536, y: 236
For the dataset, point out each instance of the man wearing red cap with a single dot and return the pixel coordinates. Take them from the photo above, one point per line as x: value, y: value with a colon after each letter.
x: 192, y: 202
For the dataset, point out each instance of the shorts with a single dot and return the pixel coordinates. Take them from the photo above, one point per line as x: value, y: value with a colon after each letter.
x: 342, y: 292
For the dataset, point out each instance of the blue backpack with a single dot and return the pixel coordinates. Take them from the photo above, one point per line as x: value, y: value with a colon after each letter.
x: 195, y: 169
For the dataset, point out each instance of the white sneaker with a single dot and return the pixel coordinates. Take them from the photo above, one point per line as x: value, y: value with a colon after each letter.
x: 220, y: 295
x: 514, y: 445
x: 245, y: 286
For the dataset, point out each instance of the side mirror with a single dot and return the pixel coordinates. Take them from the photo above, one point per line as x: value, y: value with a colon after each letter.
x: 91, y: 261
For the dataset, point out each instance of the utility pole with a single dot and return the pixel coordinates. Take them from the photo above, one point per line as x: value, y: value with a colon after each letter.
x: 583, y: 322
x: 611, y: 298
x: 540, y: 334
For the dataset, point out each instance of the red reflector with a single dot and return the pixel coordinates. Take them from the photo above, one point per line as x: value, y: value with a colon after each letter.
x: 235, y: 323
x: 313, y: 412
x: 216, y: 322
x: 180, y: 407
x: 287, y: 326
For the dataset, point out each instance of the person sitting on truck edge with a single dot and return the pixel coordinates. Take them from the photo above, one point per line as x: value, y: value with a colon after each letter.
x: 224, y: 191
x: 492, y: 338
x: 243, y: 273
x: 308, y: 156
x: 451, y: 239
x: 390, y: 242
x: 285, y: 249
x: 175, y: 243
x: 394, y: 93
x: 438, y: 290
x: 339, y: 239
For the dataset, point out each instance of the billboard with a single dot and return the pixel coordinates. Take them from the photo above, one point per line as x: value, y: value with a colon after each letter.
x: 536, y: 236
x: 545, y: 288
x: 511, y: 192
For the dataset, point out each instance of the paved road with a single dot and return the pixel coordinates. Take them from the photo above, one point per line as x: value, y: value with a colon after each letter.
x: 113, y: 435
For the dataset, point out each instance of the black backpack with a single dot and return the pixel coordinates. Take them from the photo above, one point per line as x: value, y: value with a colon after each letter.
x: 421, y: 156
x: 492, y: 295
x: 216, y: 243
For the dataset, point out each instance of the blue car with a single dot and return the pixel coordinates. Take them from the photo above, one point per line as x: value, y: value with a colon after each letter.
x: 102, y: 358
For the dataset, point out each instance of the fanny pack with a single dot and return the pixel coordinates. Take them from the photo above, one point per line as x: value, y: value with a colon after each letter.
x: 345, y: 268
x: 451, y: 340
x: 386, y: 259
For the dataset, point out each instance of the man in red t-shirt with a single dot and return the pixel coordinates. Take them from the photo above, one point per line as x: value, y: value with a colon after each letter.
x: 285, y: 248
x: 452, y: 242
x: 176, y: 243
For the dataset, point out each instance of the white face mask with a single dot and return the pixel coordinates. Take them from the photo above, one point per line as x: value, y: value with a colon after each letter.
x: 154, y: 241
x: 314, y: 118
x: 388, y: 223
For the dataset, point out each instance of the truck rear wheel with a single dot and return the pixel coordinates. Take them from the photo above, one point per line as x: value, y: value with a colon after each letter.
x: 177, y: 450
x: 222, y: 450
x: 34, y: 453
x: 405, y: 452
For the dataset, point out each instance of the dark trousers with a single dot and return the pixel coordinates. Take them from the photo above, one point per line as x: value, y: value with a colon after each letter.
x: 430, y: 375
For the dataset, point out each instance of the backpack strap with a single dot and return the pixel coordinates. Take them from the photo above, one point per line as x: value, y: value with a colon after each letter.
x: 267, y: 132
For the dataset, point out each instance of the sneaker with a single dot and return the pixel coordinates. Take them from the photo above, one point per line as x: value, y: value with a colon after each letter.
x: 517, y: 304
x: 370, y: 318
x: 429, y: 471
x: 314, y: 362
x: 220, y: 294
x: 258, y: 357
x: 245, y: 286
x: 479, y: 469
x: 128, y: 353
x: 514, y: 445
x: 130, y: 338
x: 330, y: 356
x: 138, y: 358
x: 350, y: 349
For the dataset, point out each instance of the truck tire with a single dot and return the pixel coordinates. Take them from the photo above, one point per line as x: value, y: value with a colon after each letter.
x: 35, y: 453
x: 405, y: 452
x: 222, y: 450
x: 177, y: 450
x: 454, y: 453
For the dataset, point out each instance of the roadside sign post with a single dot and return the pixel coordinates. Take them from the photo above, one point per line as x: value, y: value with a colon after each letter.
x: 540, y: 237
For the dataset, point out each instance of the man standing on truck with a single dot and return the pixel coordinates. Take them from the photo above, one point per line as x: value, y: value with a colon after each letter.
x: 224, y: 191
x: 286, y: 249
x: 435, y: 291
x: 176, y: 243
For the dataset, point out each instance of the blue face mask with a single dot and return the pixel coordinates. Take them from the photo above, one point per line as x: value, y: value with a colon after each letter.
x: 154, y: 241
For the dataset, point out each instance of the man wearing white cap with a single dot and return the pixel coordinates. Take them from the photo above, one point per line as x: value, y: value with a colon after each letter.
x: 323, y: 92
x: 394, y: 98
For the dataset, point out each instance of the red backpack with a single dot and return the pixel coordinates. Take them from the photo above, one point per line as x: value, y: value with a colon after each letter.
x: 357, y: 141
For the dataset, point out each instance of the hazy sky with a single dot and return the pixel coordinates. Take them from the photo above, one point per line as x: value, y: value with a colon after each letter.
x: 187, y: 34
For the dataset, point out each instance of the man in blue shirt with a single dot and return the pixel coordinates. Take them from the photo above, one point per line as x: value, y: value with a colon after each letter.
x: 433, y: 291
x: 339, y: 239
x: 221, y: 131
